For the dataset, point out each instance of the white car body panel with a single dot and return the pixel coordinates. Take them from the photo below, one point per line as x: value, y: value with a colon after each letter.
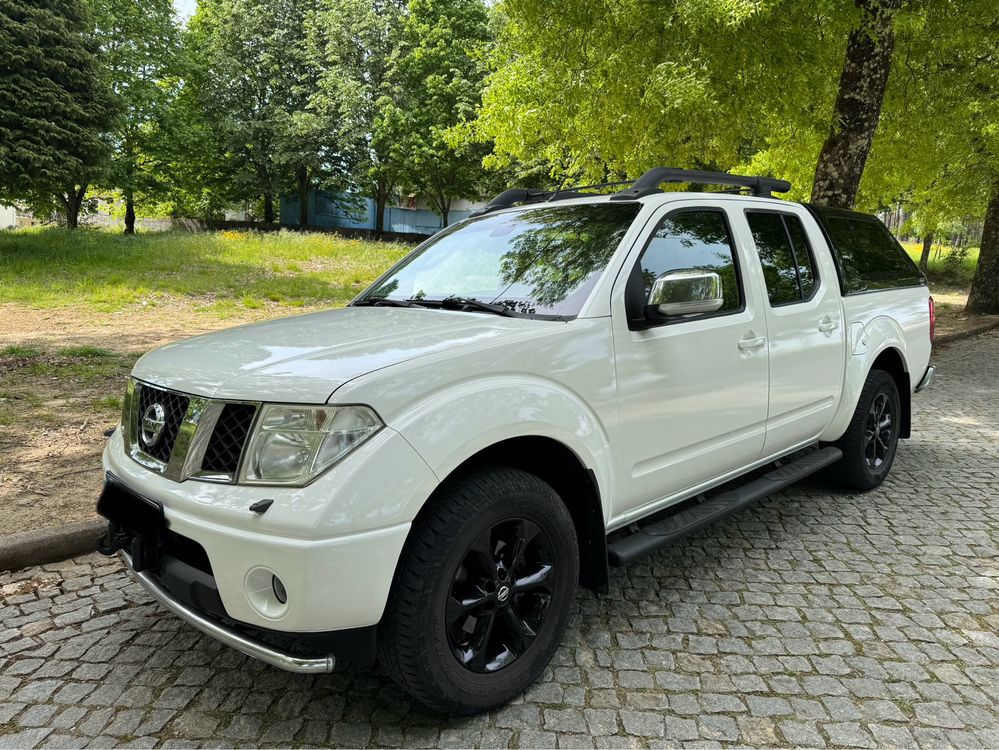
x: 657, y: 415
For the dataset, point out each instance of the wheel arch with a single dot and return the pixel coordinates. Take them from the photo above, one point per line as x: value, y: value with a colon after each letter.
x: 558, y: 465
x: 888, y: 356
x: 891, y: 361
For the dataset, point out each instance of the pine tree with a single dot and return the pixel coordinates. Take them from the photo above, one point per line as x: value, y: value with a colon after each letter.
x: 55, y: 104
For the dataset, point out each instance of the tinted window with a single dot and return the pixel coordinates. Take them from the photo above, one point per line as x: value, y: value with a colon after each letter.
x: 802, y: 254
x: 869, y: 257
x: 542, y: 261
x: 785, y: 256
x: 776, y: 256
x: 693, y: 240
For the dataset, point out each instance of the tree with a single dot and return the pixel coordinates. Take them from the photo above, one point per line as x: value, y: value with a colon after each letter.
x: 55, y: 105
x: 320, y: 118
x: 857, y: 109
x: 278, y: 85
x: 436, y: 79
x: 382, y: 170
x: 605, y: 91
x: 984, y: 294
x: 937, y: 146
x: 140, y: 45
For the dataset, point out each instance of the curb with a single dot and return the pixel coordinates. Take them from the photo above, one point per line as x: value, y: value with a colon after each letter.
x: 31, y: 548
x: 961, y: 335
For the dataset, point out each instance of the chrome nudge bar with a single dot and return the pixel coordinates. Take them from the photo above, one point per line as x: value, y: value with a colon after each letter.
x: 230, y: 636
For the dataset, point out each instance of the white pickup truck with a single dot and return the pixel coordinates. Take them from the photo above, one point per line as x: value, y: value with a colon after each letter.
x: 560, y: 384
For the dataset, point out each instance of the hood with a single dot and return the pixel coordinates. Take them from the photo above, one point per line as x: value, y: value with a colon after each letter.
x: 303, y: 359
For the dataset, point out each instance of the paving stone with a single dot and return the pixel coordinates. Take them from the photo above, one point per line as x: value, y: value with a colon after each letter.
x: 814, y: 617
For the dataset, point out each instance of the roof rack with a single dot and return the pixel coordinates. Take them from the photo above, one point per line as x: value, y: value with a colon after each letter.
x: 647, y: 184
x: 530, y: 195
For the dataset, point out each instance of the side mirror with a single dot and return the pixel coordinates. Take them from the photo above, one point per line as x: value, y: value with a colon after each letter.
x: 687, y: 291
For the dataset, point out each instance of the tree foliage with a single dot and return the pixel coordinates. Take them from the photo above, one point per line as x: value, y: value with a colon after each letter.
x: 55, y: 105
x: 140, y: 47
x: 279, y: 85
x: 435, y: 82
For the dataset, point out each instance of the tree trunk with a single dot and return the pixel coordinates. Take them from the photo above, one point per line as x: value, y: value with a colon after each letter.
x: 858, y: 105
x: 72, y: 201
x: 129, y: 212
x: 984, y: 295
x: 269, y: 208
x: 303, y: 197
x: 380, y: 202
x: 924, y: 259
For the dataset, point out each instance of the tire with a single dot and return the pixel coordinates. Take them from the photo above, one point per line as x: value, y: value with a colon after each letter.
x: 453, y: 558
x: 868, y: 454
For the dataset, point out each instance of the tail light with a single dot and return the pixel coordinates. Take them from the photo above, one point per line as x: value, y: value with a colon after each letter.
x: 933, y: 321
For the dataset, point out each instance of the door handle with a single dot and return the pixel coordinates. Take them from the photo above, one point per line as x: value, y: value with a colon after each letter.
x: 752, y: 343
x: 828, y: 324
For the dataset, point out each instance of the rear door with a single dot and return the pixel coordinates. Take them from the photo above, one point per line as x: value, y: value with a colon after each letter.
x: 805, y: 326
x: 692, y: 390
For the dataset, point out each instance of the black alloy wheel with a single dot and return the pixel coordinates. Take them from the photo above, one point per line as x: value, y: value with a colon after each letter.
x: 500, y: 595
x: 483, y: 591
x: 871, y: 439
x: 878, y: 432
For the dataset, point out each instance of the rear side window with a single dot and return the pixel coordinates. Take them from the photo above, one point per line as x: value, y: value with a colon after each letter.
x: 693, y: 240
x: 869, y: 257
x: 803, y: 255
x: 785, y: 256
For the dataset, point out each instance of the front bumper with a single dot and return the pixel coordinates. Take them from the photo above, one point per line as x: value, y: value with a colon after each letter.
x: 334, y: 544
x: 230, y: 636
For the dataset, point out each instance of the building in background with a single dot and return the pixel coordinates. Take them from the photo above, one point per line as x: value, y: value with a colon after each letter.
x: 408, y: 216
x: 8, y: 217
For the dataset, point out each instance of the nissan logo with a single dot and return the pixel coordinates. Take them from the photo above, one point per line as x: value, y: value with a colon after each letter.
x: 153, y: 422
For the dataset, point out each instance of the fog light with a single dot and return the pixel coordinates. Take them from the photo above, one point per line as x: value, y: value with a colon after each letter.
x: 279, y: 592
x: 266, y: 593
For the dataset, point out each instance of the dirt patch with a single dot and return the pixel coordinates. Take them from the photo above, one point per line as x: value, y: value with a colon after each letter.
x: 137, y: 328
x: 54, y: 410
x: 951, y: 317
x: 62, y: 373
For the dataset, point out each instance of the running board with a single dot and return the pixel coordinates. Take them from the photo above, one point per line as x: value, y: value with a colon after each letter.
x: 679, y: 525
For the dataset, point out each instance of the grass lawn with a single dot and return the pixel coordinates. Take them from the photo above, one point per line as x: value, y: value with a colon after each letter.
x: 221, y: 272
x: 78, y: 308
x: 947, y: 268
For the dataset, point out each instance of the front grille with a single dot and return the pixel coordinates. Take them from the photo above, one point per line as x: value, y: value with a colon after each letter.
x: 174, y: 408
x: 228, y: 439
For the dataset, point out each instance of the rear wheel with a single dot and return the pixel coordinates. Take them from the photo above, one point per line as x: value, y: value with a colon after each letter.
x: 483, y: 593
x: 870, y: 442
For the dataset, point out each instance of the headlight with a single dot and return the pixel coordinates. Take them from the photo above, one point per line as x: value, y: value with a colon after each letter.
x: 295, y: 444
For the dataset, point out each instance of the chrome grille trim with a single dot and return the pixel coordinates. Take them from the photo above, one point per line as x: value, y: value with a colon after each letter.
x: 193, y: 436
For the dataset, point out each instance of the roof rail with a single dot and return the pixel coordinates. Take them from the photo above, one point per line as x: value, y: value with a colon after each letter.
x: 649, y: 182
x: 530, y: 195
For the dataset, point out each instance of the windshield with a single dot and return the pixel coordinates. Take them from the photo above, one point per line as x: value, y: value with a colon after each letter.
x: 542, y: 262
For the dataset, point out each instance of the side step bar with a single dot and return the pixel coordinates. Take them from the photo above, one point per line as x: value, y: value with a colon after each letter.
x: 679, y: 525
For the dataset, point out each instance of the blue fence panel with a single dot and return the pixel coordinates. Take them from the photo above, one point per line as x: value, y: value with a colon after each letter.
x: 327, y: 212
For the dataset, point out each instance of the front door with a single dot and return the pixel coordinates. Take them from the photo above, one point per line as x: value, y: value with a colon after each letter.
x: 692, y: 389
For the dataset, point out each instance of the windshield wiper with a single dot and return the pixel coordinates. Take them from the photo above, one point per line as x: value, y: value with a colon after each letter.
x: 465, y: 303
x: 384, y: 302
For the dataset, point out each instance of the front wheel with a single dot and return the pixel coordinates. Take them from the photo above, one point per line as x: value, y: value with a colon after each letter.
x: 870, y: 442
x: 483, y: 592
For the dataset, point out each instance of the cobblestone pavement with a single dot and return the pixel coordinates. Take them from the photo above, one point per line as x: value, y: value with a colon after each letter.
x: 812, y: 619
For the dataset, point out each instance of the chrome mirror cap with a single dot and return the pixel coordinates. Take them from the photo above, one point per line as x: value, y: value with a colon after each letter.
x: 686, y: 291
